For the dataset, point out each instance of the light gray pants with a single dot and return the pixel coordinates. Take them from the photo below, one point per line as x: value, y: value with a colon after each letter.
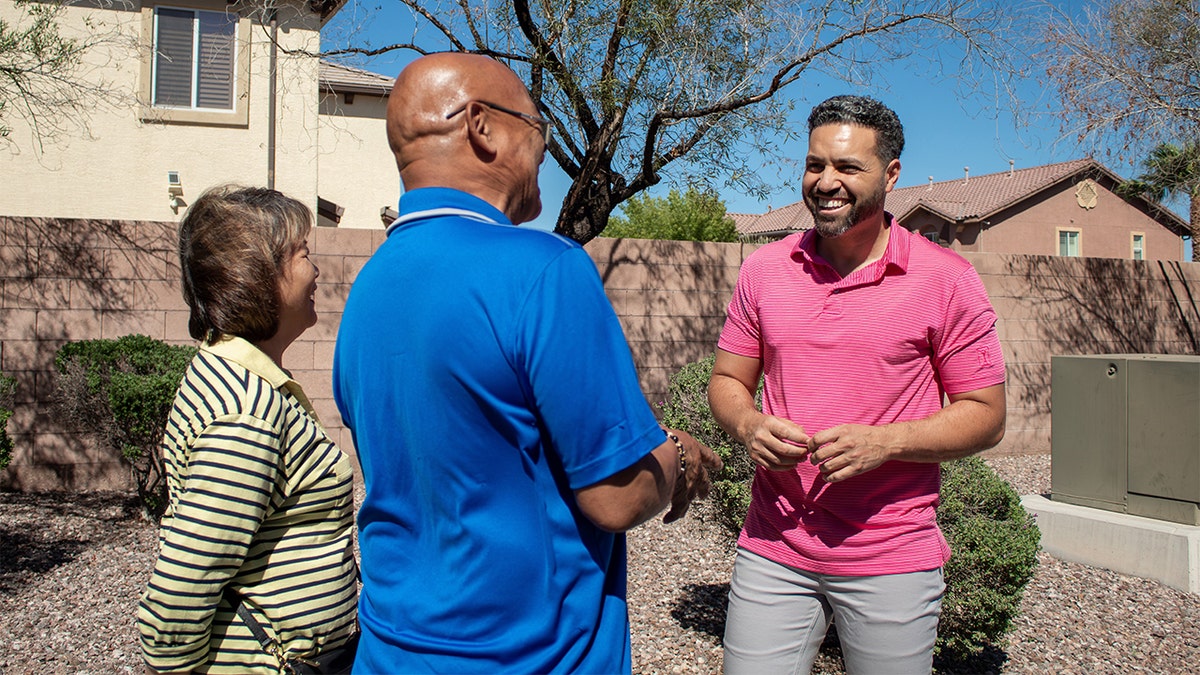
x: 778, y: 616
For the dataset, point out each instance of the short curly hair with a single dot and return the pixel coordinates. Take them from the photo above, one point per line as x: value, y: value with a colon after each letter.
x: 864, y: 112
x: 233, y: 243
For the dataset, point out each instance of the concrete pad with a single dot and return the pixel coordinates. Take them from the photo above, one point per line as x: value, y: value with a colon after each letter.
x: 1141, y: 547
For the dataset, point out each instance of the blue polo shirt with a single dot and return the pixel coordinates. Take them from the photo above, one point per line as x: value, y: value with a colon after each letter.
x: 485, y: 377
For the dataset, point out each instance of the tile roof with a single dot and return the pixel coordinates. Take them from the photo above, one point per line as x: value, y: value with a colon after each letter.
x: 789, y: 218
x: 975, y: 197
x: 340, y: 79
x: 964, y: 199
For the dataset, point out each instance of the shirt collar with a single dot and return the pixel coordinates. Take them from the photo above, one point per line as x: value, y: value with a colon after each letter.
x: 433, y: 199
x: 253, y: 359
x: 895, y: 255
x: 245, y: 354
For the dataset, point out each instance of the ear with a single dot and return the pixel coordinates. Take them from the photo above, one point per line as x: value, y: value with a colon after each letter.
x: 893, y: 174
x: 481, y: 133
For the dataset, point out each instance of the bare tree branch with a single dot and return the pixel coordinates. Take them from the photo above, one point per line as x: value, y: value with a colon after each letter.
x: 1128, y: 72
x: 636, y: 88
x: 53, y: 80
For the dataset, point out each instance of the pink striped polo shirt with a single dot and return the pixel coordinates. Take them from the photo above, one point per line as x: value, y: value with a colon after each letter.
x: 879, y: 346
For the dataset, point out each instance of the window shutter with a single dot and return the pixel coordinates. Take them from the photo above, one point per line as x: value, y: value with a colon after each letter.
x: 173, y: 58
x: 218, y: 31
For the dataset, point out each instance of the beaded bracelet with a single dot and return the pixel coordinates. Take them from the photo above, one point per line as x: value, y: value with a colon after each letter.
x: 682, y: 452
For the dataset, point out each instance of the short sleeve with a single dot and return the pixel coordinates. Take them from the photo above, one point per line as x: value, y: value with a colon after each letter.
x: 580, y: 373
x: 967, y: 352
x: 741, y: 334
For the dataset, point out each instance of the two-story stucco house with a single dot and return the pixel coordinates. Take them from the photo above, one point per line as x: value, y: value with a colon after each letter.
x: 199, y: 93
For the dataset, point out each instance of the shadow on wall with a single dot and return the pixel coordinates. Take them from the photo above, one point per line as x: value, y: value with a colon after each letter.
x: 104, y: 259
x: 75, y: 279
x: 1098, y: 306
x: 670, y: 297
x: 66, y: 280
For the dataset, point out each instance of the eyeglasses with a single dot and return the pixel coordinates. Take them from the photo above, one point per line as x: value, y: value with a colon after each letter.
x: 542, y: 123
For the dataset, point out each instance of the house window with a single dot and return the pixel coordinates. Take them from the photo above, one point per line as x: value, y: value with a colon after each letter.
x: 1139, y: 246
x: 197, y: 68
x: 1068, y: 243
x: 195, y: 59
x: 931, y: 236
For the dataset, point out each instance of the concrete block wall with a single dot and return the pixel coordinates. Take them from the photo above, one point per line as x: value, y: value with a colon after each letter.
x: 71, y: 279
x: 1054, y: 306
x: 670, y: 297
x: 64, y: 280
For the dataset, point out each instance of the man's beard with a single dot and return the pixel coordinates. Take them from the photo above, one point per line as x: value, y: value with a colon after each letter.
x: 836, y: 226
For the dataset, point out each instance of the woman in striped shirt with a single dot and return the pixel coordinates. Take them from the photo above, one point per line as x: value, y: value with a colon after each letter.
x: 260, y: 498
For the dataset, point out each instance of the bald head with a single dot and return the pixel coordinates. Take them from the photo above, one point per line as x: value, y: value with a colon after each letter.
x: 428, y: 89
x: 475, y: 150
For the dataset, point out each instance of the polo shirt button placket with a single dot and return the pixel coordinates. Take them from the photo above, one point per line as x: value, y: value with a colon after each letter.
x: 832, y: 307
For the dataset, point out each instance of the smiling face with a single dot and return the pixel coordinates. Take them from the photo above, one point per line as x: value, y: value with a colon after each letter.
x: 844, y: 179
x: 297, y: 287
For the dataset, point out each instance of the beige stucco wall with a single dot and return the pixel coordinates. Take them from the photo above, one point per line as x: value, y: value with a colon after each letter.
x: 119, y: 169
x: 355, y: 167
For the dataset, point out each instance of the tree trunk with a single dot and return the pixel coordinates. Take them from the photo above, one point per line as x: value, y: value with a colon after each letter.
x: 586, y: 209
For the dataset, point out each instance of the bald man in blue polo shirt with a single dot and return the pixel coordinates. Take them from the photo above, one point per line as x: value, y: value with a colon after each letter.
x: 504, y: 441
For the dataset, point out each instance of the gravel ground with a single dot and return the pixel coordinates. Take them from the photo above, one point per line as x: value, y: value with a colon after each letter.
x: 72, y: 567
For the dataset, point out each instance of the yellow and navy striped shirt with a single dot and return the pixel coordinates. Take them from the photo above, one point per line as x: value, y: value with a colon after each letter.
x: 260, y: 499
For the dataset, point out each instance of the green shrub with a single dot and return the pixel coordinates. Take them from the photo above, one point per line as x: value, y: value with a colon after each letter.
x: 995, y: 544
x: 120, y: 392
x: 994, y: 540
x: 8, y: 387
x: 687, y: 408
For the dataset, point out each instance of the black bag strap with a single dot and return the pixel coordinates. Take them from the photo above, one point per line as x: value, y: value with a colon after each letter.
x: 269, y: 645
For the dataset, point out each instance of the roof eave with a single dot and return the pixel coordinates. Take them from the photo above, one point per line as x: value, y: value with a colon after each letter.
x: 1176, y: 224
x: 1161, y: 213
x: 367, y: 89
x: 1091, y: 166
x: 326, y: 8
x: 778, y: 234
x: 922, y: 206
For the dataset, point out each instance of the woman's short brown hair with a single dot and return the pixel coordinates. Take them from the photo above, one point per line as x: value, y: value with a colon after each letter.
x: 233, y: 242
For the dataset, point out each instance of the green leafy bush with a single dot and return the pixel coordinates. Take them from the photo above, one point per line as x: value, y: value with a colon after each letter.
x: 994, y: 540
x: 693, y: 215
x: 8, y: 387
x: 995, y: 544
x: 687, y: 408
x: 120, y: 392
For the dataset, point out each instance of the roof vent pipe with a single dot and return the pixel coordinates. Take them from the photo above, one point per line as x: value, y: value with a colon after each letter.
x: 1011, y: 163
x: 931, y: 182
x: 966, y: 175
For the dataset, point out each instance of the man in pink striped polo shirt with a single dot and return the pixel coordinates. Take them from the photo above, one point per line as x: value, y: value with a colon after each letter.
x: 858, y: 328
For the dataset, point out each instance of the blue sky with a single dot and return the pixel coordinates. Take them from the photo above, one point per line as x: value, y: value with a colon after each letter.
x: 944, y: 133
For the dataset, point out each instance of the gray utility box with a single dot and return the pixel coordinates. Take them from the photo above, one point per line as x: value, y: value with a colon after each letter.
x: 1125, y: 434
